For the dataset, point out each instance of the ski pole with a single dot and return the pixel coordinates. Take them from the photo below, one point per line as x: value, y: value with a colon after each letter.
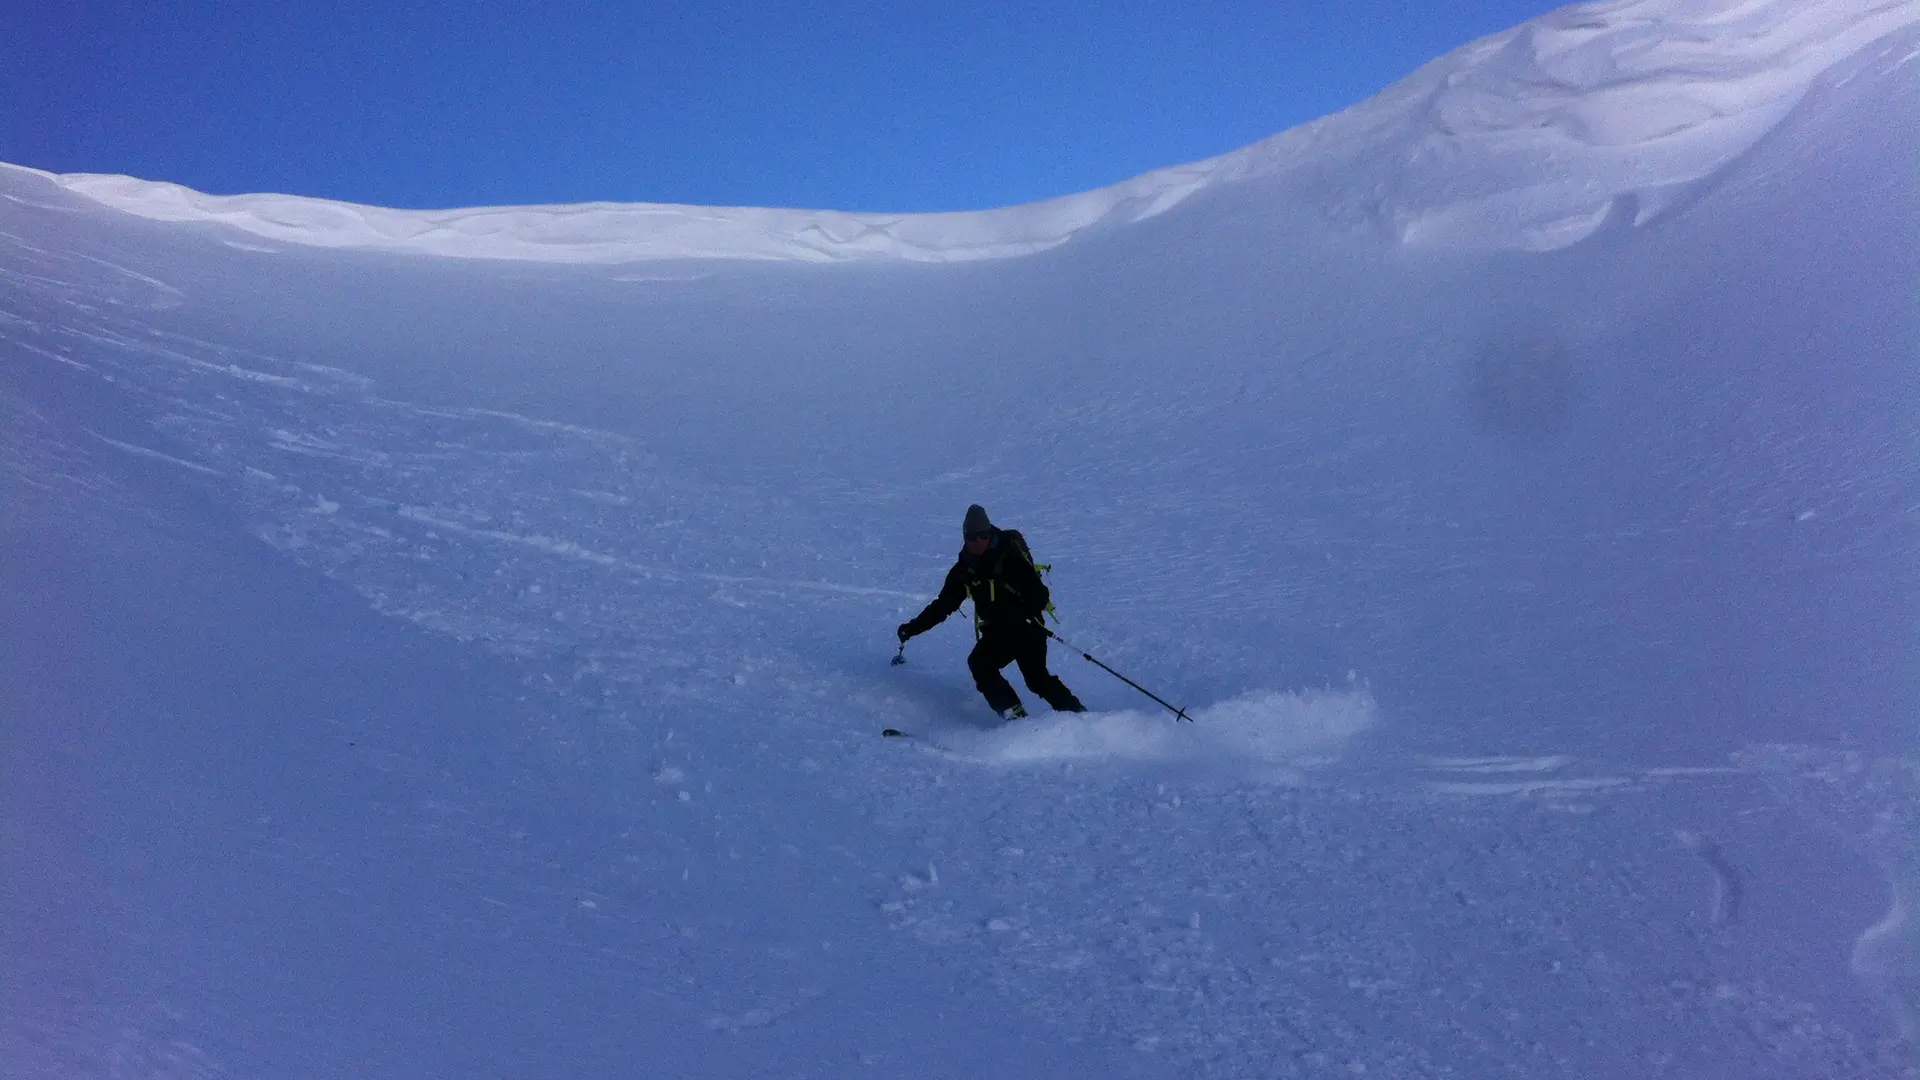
x: 901, y: 656
x: 1179, y: 714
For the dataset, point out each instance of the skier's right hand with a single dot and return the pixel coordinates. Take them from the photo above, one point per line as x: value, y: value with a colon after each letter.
x: 903, y: 633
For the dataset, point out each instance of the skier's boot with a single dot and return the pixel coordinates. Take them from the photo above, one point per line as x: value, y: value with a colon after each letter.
x: 1018, y: 712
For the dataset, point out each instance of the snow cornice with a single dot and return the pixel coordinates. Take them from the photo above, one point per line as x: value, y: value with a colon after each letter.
x: 1528, y: 139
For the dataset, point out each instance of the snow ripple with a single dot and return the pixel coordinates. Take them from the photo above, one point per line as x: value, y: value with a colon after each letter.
x: 1873, y: 805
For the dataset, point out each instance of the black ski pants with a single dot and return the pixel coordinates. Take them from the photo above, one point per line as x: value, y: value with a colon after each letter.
x: 1025, y: 645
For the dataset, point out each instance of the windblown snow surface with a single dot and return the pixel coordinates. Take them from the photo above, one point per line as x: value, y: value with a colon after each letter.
x: 455, y: 644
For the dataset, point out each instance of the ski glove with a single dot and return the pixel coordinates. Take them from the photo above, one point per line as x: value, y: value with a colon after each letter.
x: 905, y: 631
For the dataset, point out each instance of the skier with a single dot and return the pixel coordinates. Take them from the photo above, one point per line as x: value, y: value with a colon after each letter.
x: 996, y: 572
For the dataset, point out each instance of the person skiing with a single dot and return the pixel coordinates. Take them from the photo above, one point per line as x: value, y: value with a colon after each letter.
x: 996, y: 572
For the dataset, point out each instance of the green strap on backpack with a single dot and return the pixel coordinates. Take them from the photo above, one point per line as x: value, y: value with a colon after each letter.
x: 1019, y: 544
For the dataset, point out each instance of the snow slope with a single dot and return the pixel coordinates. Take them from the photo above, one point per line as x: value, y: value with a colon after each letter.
x: 447, y: 667
x: 1529, y: 139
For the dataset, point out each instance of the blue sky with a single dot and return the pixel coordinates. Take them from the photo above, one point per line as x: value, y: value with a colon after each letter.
x: 898, y: 106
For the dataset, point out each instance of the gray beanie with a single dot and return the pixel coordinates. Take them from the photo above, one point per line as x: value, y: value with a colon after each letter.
x: 976, y: 520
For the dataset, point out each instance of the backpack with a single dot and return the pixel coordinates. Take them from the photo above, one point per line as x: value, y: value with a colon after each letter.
x: 1017, y: 544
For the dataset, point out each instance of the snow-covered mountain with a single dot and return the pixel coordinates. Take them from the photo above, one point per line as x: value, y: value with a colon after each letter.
x: 1531, y: 139
x: 455, y: 643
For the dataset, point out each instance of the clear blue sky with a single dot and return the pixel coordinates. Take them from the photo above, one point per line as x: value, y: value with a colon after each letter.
x: 855, y: 106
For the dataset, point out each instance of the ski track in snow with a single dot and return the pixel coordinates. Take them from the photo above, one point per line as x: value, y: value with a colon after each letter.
x: 1268, y: 736
x: 585, y: 551
x: 1278, y: 888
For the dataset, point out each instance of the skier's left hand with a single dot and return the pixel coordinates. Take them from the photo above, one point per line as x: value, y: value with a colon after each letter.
x: 903, y: 633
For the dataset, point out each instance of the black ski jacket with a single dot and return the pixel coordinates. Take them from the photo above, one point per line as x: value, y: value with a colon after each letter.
x: 1005, y: 588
